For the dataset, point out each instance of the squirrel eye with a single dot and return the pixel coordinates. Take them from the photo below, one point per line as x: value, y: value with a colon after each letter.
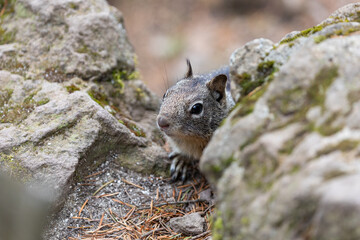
x: 196, y: 109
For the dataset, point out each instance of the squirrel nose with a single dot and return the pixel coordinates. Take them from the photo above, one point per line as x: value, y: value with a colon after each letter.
x: 163, y: 123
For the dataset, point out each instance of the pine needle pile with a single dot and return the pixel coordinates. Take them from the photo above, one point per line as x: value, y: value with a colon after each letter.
x: 145, y: 221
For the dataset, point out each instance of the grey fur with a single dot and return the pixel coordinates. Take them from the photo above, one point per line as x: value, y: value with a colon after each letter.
x: 188, y: 134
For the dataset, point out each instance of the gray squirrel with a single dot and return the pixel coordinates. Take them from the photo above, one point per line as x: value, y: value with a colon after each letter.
x: 190, y: 112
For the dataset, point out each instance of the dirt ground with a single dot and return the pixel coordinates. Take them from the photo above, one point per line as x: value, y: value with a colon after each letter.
x: 165, y: 33
x: 115, y: 203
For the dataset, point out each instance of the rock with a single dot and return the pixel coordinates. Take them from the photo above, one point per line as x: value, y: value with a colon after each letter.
x: 55, y: 127
x: 48, y: 132
x: 207, y: 195
x: 348, y: 13
x: 191, y: 224
x: 244, y: 64
x: 75, y: 37
x: 288, y: 166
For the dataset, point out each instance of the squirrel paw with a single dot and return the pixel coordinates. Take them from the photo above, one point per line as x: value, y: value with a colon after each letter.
x: 179, y: 167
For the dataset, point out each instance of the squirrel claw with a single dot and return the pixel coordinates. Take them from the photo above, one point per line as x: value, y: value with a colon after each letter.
x: 173, y: 167
x: 184, y: 174
x: 173, y: 155
x: 179, y: 168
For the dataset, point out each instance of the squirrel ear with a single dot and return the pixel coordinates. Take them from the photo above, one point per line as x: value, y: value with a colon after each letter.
x: 217, y: 86
x: 189, y: 73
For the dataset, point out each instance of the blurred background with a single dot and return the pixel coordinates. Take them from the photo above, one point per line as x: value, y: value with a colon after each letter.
x: 166, y: 32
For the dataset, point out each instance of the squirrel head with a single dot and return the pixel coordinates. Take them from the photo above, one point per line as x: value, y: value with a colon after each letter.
x: 195, y: 106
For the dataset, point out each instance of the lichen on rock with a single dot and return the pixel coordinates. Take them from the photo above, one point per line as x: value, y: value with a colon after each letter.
x: 293, y: 141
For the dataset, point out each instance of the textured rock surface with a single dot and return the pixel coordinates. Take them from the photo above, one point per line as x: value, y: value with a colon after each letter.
x: 54, y: 126
x: 65, y: 38
x: 289, y: 161
x: 191, y: 224
x: 244, y: 64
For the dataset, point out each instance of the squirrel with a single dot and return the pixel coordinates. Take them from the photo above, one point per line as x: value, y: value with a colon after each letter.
x: 190, y: 112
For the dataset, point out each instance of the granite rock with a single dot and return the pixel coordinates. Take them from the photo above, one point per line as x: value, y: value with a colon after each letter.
x: 288, y: 165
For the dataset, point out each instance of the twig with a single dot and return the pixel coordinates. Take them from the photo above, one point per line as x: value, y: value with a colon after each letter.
x: 157, y: 194
x: 151, y: 232
x: 200, y: 235
x: 107, y: 195
x: 135, y: 185
x: 82, y: 207
x: 179, y: 195
x: 151, y: 206
x: 3, y: 9
x: 127, y: 193
x: 99, y: 189
x: 85, y: 218
x: 129, y: 214
x: 184, y: 186
x: 124, y: 203
x: 113, y: 218
x: 166, y: 227
x: 82, y: 227
x: 196, y: 192
x: 174, y: 203
x: 94, y: 174
x: 101, y: 220
x: 212, y: 205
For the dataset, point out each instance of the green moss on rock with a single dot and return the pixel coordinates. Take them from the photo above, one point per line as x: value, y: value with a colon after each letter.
x: 72, y: 88
x: 323, y: 80
x: 133, y: 128
x: 265, y: 71
x: 15, y: 113
x: 266, y: 68
x: 42, y: 101
x: 120, y: 74
x: 247, y: 84
x: 139, y: 94
x: 5, y: 96
x: 84, y: 49
x: 98, y: 97
x: 327, y: 128
x: 73, y: 6
x: 304, y: 33
x: 245, y: 221
x: 289, y: 145
x: 246, y: 104
x: 319, y: 39
x: 119, y: 85
x: 344, y: 146
x: 341, y: 32
x: 6, y: 37
x: 136, y: 130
